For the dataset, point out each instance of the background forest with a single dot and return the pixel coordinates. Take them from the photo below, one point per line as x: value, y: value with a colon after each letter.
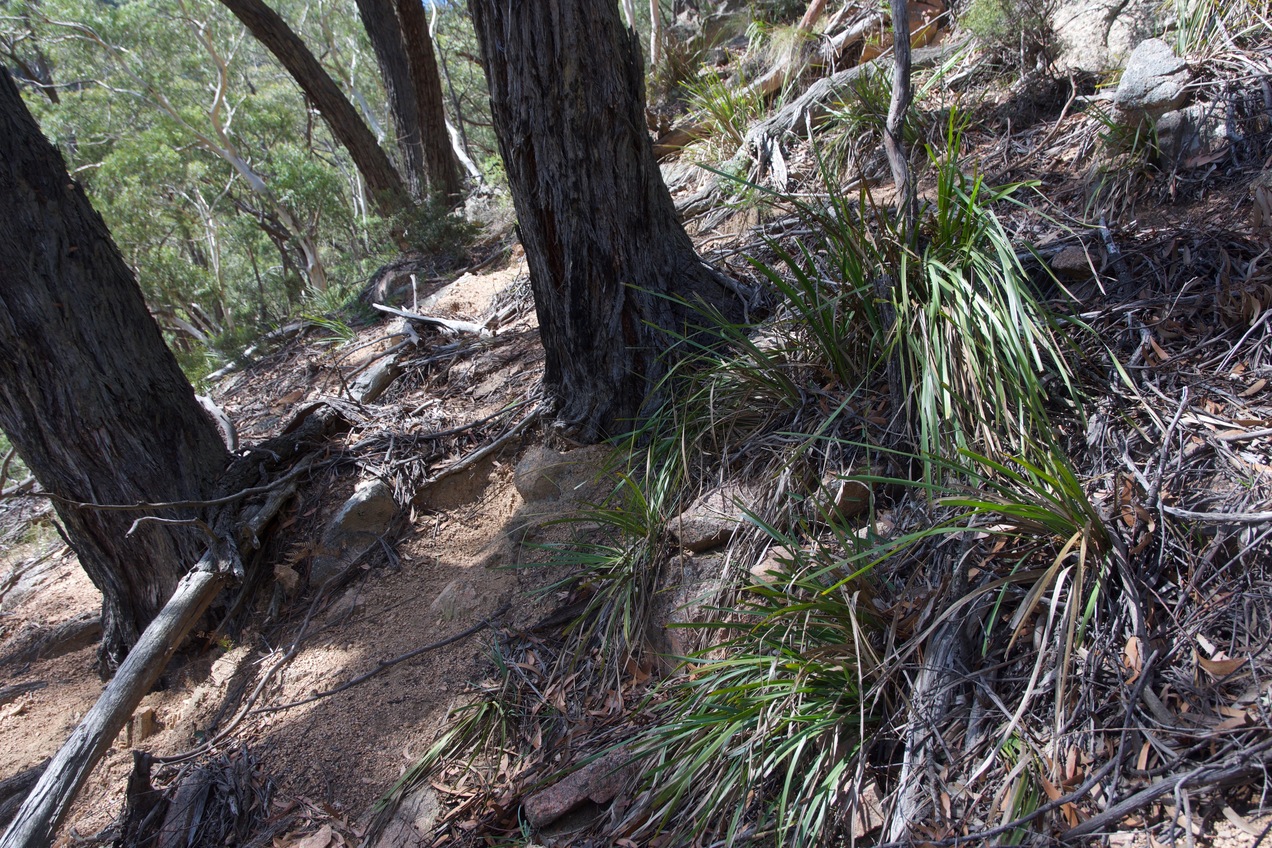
x: 151, y: 104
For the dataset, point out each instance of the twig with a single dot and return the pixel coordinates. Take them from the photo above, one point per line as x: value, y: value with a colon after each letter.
x: 179, y: 522
x: 1246, y: 436
x: 386, y: 664
x: 1246, y: 761
x: 143, y: 505
x: 985, y: 836
x: 478, y: 455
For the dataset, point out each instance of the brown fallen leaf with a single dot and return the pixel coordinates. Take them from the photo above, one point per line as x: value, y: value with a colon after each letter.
x: 1221, y: 668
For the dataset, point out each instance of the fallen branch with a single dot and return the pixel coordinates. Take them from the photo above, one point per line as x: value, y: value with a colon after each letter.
x: 1240, y: 765
x: 450, y: 324
x: 387, y: 664
x: 44, y: 808
x: 1219, y: 517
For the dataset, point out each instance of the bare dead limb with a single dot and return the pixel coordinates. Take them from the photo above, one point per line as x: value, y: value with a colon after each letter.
x: 49, y: 801
x: 450, y: 324
x: 893, y: 143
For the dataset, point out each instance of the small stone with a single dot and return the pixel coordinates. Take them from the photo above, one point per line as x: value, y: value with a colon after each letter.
x: 459, y: 597
x: 287, y: 577
x: 144, y: 724
x: 412, y: 823
x: 1192, y: 132
x: 360, y: 523
x: 536, y: 473
x: 1071, y: 263
x: 776, y: 562
x: 867, y: 812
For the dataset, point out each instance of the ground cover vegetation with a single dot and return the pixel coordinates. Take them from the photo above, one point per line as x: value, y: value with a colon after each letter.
x: 995, y: 483
x: 998, y: 638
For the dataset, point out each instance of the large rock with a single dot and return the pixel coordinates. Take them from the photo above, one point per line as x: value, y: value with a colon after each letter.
x: 544, y: 474
x: 1092, y: 42
x: 690, y: 594
x: 358, y: 526
x: 1153, y: 83
x: 1195, y: 132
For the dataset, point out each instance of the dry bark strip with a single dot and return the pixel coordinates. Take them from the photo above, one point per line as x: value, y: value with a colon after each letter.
x: 45, y: 807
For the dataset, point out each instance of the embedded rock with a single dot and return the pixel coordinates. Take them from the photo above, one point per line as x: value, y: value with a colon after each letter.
x: 544, y: 474
x: 358, y: 526
x: 599, y: 782
x: 775, y: 563
x: 1191, y: 133
x: 412, y: 823
x: 711, y: 521
x: 373, y: 382
x: 841, y: 499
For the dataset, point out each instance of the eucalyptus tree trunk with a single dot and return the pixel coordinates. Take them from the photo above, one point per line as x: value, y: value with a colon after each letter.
x: 350, y: 130
x: 440, y: 165
x: 380, y: 21
x: 404, y: 51
x: 89, y: 394
x: 606, y: 252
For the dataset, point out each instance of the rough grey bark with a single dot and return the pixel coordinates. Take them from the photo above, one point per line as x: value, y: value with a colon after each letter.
x: 602, y: 240
x: 89, y: 394
x: 404, y: 51
x: 440, y: 165
x: 380, y: 21
x: 353, y: 134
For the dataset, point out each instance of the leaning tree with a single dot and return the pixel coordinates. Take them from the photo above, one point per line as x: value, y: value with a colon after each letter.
x: 350, y: 130
x: 612, y: 270
x: 90, y: 395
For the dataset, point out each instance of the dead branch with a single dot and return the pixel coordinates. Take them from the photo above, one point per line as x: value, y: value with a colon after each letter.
x: 387, y: 664
x: 450, y: 324
x: 1240, y: 764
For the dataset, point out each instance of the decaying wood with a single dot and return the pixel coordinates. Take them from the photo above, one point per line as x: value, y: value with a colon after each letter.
x: 451, y: 324
x: 929, y: 705
x: 14, y: 789
x: 55, y: 641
